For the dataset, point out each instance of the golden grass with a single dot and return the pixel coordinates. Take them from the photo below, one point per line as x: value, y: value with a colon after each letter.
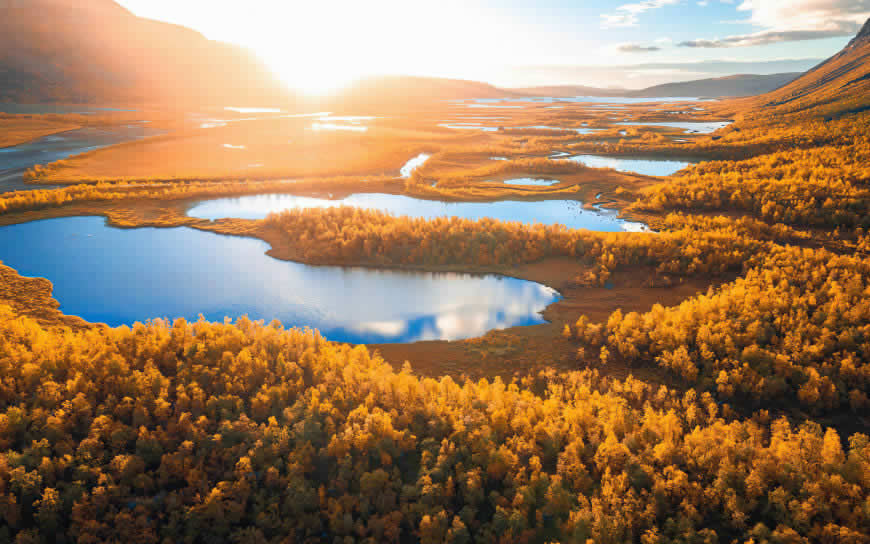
x: 32, y: 297
x: 263, y: 149
x: 270, y: 146
x: 17, y: 130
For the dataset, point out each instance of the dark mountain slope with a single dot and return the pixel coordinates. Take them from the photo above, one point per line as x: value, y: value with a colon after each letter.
x: 838, y: 86
x: 86, y: 51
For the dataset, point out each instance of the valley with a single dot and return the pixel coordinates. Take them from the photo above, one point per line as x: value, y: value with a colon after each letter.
x: 426, y: 309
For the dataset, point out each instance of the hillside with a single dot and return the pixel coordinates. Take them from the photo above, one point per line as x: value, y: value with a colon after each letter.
x: 400, y: 92
x: 736, y: 85
x: 731, y: 86
x: 568, y: 91
x: 838, y: 86
x: 95, y: 51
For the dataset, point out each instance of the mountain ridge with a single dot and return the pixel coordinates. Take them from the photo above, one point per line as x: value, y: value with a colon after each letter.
x: 98, y: 51
x: 838, y: 86
x: 737, y: 85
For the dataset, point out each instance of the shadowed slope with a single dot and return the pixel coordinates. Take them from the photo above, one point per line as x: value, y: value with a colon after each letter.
x: 87, y: 51
x: 838, y: 86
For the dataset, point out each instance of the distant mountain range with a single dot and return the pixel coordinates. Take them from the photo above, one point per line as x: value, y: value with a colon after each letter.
x: 95, y: 51
x: 737, y: 86
x: 89, y: 51
x: 384, y: 93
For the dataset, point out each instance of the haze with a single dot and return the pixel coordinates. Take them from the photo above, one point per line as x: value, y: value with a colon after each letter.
x: 319, y: 47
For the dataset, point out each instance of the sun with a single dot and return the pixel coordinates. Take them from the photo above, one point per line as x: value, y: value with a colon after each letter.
x: 316, y: 76
x: 320, y: 47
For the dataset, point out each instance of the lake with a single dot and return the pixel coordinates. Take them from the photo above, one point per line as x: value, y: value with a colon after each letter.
x: 121, y: 276
x: 531, y: 181
x: 646, y: 167
x: 692, y: 127
x: 549, y: 212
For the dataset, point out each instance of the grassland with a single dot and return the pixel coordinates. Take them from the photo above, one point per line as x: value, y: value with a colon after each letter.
x: 270, y: 146
x: 16, y: 130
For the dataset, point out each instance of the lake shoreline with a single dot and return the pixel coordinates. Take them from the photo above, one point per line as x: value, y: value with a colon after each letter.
x: 627, y: 291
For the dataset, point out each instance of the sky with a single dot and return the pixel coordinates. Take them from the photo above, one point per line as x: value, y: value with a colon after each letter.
x: 320, y: 45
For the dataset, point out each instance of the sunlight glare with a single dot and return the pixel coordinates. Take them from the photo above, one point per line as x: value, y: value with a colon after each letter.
x: 320, y: 47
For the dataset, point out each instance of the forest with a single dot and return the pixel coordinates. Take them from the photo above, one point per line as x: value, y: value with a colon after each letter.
x: 246, y: 432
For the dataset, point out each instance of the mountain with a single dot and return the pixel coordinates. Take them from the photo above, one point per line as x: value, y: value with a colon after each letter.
x: 90, y: 51
x: 838, y: 86
x: 730, y: 86
x: 736, y: 85
x: 569, y: 91
x: 383, y: 93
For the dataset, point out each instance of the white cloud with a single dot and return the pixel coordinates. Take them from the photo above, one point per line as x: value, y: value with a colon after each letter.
x: 627, y: 14
x: 637, y: 48
x: 794, y: 20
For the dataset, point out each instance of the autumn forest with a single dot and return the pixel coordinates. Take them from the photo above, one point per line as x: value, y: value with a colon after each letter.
x: 673, y: 346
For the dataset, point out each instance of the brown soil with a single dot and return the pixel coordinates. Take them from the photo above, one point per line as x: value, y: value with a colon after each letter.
x: 520, y: 350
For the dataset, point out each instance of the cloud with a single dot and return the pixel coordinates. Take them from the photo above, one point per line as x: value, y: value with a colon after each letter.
x: 627, y: 14
x: 793, y: 20
x: 773, y: 36
x: 637, y: 48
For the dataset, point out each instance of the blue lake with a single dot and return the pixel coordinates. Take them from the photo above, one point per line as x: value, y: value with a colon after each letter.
x: 117, y: 277
x: 531, y: 181
x: 549, y: 212
x: 691, y: 127
x: 641, y: 166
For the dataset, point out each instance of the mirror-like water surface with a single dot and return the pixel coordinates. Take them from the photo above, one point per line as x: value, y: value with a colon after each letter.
x: 549, y: 212
x: 641, y: 166
x: 692, y: 127
x: 119, y: 277
x: 531, y: 181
